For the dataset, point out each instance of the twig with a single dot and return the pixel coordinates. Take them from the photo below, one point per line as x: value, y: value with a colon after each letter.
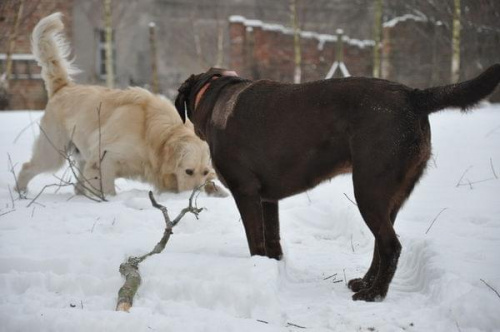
x: 3, y: 214
x: 101, y: 156
x: 43, y: 189
x: 93, y: 226
x: 345, y: 279
x: 333, y: 275
x: 21, y: 196
x: 262, y: 321
x: 493, y: 169
x: 493, y: 289
x: 350, y: 200
x: 308, y: 198
x: 295, y: 325
x: 130, y: 269
x: 492, y: 131
x: 33, y: 211
x: 11, y: 198
x: 89, y: 190
x: 432, y: 223
x: 23, y: 130
x: 463, y: 174
x: 352, y: 245
x: 469, y: 183
x: 434, y: 161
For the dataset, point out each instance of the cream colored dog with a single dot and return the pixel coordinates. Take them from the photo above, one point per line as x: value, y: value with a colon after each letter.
x: 112, y: 133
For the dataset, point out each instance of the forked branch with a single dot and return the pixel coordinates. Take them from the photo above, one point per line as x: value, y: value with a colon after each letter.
x: 130, y: 269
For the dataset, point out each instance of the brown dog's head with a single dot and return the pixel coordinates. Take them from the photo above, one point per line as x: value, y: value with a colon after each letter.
x: 185, y: 101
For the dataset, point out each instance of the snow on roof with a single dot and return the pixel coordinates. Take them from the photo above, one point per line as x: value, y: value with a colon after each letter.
x: 396, y: 20
x: 18, y: 56
x: 321, y: 37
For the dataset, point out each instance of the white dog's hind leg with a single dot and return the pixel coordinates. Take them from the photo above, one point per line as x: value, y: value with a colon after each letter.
x: 47, y: 155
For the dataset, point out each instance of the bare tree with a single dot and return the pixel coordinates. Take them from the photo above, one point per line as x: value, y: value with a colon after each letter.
x: 110, y: 77
x: 377, y: 31
x: 155, y: 88
x: 296, y: 42
x: 12, y: 40
x: 5, y: 77
x: 455, y: 55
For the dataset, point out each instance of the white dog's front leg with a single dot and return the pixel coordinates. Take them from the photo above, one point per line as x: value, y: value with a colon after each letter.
x: 100, y: 177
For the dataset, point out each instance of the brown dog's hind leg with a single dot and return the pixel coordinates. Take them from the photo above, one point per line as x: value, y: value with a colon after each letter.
x: 379, y: 199
x: 367, y: 281
x: 272, y: 230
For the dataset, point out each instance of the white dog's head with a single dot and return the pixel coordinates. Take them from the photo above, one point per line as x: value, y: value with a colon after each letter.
x: 186, y: 163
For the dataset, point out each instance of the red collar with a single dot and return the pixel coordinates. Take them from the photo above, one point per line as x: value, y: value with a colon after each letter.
x: 200, y: 93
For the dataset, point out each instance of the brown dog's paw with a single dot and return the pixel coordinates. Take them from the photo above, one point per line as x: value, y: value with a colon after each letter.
x: 369, y: 295
x: 358, y: 284
x: 274, y: 252
x: 215, y: 191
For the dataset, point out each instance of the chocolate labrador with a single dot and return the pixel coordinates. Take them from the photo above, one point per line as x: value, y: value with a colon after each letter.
x: 271, y: 140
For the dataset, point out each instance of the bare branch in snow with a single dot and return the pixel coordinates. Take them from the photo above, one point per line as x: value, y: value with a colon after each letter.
x: 493, y: 169
x: 463, y: 174
x: 350, y: 200
x: 130, y: 269
x: 11, y: 169
x: 493, y: 289
x: 433, y: 221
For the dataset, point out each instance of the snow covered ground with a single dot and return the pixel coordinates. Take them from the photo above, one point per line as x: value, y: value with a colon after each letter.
x: 59, y: 258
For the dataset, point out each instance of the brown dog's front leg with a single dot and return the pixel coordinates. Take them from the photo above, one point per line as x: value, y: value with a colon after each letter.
x: 250, y: 208
x: 272, y: 230
x: 367, y: 281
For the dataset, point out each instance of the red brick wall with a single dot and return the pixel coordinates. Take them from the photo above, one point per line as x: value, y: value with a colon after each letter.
x: 414, y: 52
x: 259, y: 51
x: 28, y: 93
x: 418, y: 53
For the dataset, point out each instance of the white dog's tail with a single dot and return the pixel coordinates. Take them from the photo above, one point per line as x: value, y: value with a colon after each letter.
x: 51, y: 51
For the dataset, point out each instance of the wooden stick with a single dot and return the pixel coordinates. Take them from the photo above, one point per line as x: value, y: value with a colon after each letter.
x: 130, y: 269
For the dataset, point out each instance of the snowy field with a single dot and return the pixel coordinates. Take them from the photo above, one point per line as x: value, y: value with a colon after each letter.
x: 59, y: 258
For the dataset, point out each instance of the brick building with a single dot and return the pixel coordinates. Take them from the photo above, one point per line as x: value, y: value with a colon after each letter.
x: 26, y: 88
x: 193, y: 35
x: 261, y: 50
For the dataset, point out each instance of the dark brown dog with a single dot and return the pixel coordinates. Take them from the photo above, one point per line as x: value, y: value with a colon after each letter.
x: 270, y: 140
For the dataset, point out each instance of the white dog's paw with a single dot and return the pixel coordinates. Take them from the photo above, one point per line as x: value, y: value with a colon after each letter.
x: 22, y: 191
x: 214, y: 190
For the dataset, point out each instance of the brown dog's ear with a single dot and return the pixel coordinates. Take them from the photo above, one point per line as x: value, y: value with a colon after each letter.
x: 180, y: 105
x: 183, y: 98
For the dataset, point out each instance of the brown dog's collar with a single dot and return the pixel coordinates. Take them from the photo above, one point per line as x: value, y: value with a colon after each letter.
x: 205, y: 87
x: 202, y: 91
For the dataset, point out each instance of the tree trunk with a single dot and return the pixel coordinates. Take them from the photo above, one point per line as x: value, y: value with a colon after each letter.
x: 297, y: 77
x: 220, y: 45
x: 455, y: 53
x: 110, y: 76
x: 12, y: 42
x: 377, y: 30
x: 155, y: 88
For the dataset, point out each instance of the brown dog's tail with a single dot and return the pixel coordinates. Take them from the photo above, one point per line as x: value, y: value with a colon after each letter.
x: 462, y: 95
x: 51, y: 51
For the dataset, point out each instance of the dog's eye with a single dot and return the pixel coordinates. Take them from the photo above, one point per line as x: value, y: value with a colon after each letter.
x: 205, y: 173
x: 189, y: 172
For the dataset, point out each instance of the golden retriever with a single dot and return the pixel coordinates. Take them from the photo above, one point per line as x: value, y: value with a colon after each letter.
x: 112, y: 133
